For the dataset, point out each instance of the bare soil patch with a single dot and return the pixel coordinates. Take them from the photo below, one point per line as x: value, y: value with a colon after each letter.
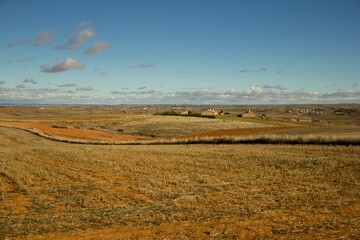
x: 71, y: 132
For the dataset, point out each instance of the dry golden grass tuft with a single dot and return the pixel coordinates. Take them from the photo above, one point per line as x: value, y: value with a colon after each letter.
x: 55, y: 190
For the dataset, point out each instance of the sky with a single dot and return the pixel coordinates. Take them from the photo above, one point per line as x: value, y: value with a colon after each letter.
x: 179, y: 52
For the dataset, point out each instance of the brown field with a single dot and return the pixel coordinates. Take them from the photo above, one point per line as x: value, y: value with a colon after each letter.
x: 57, y: 190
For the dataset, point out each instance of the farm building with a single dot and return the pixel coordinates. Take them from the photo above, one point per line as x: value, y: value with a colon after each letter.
x: 210, y: 112
x: 185, y: 113
x: 222, y: 113
x: 247, y: 114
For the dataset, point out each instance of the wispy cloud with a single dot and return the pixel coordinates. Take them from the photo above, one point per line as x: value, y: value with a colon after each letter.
x: 118, y: 92
x: 261, y: 70
x: 44, y: 37
x: 84, y: 23
x: 258, y: 70
x: 97, y: 48
x: 50, y: 90
x: 77, y: 40
x: 68, y: 85
x: 99, y: 72
x: 143, y: 92
x: 159, y: 24
x: 279, y: 72
x: 17, y: 42
x: 29, y: 80
x: 244, y: 71
x: 66, y: 65
x: 277, y: 87
x: 142, y: 65
x: 25, y: 59
x: 85, y: 89
x: 2, y: 82
x: 20, y: 86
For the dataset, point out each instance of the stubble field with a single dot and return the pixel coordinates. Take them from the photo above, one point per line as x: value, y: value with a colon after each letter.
x: 61, y: 190
x: 52, y: 190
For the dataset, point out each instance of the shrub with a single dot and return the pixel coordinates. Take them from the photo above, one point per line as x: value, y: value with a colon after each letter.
x: 190, y: 114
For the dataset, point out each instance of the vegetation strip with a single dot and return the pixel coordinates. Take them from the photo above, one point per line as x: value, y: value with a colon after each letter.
x: 260, y: 139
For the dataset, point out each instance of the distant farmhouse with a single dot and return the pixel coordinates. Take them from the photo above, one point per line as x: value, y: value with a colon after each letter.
x: 210, y: 112
x: 185, y: 113
x: 247, y: 114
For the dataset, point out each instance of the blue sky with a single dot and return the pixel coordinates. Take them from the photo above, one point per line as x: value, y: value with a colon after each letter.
x: 180, y: 52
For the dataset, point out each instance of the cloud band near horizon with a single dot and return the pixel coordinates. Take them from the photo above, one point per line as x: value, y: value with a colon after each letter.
x: 253, y: 95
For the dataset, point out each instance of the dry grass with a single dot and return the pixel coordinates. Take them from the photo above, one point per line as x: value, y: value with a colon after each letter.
x: 54, y: 190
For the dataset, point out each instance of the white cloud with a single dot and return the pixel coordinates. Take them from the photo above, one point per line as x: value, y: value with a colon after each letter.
x: 66, y: 65
x: 44, y: 37
x: 77, y: 41
x: 97, y: 48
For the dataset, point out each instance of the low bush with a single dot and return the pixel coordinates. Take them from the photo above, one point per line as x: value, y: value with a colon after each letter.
x: 190, y: 114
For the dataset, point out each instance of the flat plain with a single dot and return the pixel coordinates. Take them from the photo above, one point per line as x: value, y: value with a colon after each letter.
x: 59, y: 190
